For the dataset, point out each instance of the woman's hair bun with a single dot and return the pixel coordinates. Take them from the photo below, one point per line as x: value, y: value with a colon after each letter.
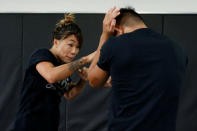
x: 68, y: 18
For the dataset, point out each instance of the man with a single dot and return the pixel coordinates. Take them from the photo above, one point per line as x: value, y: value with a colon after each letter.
x: 146, y: 70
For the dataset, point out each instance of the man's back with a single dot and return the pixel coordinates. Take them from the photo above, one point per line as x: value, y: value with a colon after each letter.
x: 147, y: 71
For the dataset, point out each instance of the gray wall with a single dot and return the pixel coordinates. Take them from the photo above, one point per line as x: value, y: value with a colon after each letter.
x: 21, y: 34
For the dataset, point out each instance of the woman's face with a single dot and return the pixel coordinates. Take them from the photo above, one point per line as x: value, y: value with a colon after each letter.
x: 67, y: 49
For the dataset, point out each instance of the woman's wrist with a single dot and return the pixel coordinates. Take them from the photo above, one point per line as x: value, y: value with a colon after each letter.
x: 83, y: 60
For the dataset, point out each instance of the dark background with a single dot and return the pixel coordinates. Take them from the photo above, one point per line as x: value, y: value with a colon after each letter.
x: 21, y: 34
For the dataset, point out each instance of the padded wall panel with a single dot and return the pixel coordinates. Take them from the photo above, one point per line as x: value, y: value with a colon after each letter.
x: 10, y: 67
x: 154, y: 22
x: 183, y: 29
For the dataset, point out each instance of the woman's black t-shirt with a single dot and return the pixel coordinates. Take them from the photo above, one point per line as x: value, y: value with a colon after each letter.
x: 39, y: 106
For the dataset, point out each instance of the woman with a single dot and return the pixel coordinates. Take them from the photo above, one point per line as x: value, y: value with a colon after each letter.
x: 47, y: 79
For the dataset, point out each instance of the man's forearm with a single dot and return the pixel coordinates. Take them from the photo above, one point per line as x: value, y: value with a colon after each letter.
x: 109, y: 23
x: 103, y: 39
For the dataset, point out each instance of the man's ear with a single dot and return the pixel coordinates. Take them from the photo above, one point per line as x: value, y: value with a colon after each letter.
x: 119, y: 30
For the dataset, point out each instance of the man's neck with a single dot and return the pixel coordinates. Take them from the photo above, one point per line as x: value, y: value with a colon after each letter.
x: 131, y: 29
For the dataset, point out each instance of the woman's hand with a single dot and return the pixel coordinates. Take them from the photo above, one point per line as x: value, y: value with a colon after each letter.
x: 89, y: 58
x: 83, y: 73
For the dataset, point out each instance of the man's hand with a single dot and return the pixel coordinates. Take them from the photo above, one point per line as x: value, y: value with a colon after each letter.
x: 109, y: 21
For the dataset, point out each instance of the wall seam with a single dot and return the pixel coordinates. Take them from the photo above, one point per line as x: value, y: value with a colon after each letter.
x: 162, y: 28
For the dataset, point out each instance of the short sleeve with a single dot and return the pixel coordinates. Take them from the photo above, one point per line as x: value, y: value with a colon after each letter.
x: 39, y: 56
x: 106, y: 54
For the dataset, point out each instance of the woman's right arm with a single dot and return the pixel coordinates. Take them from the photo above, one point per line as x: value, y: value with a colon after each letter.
x: 54, y: 74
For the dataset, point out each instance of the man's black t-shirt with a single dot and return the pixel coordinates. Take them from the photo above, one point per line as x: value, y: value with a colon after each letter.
x: 147, y: 70
x: 39, y: 106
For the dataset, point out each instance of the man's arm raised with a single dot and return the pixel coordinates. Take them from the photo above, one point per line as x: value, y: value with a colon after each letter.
x: 96, y: 76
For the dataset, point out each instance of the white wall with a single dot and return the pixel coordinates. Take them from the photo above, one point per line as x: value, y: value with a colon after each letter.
x: 96, y: 6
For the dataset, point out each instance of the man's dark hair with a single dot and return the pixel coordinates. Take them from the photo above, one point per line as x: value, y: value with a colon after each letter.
x: 126, y: 13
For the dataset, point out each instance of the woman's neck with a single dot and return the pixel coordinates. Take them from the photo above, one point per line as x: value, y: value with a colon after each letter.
x: 53, y: 51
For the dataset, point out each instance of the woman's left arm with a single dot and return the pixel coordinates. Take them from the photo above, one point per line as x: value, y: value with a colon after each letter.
x: 79, y: 86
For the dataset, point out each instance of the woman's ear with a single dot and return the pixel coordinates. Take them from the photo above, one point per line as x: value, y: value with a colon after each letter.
x: 55, y: 42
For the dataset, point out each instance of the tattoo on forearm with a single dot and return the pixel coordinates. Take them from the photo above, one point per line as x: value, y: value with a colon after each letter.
x: 76, y: 64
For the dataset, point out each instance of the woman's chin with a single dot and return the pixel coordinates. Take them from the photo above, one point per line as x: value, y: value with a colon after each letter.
x: 67, y: 61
